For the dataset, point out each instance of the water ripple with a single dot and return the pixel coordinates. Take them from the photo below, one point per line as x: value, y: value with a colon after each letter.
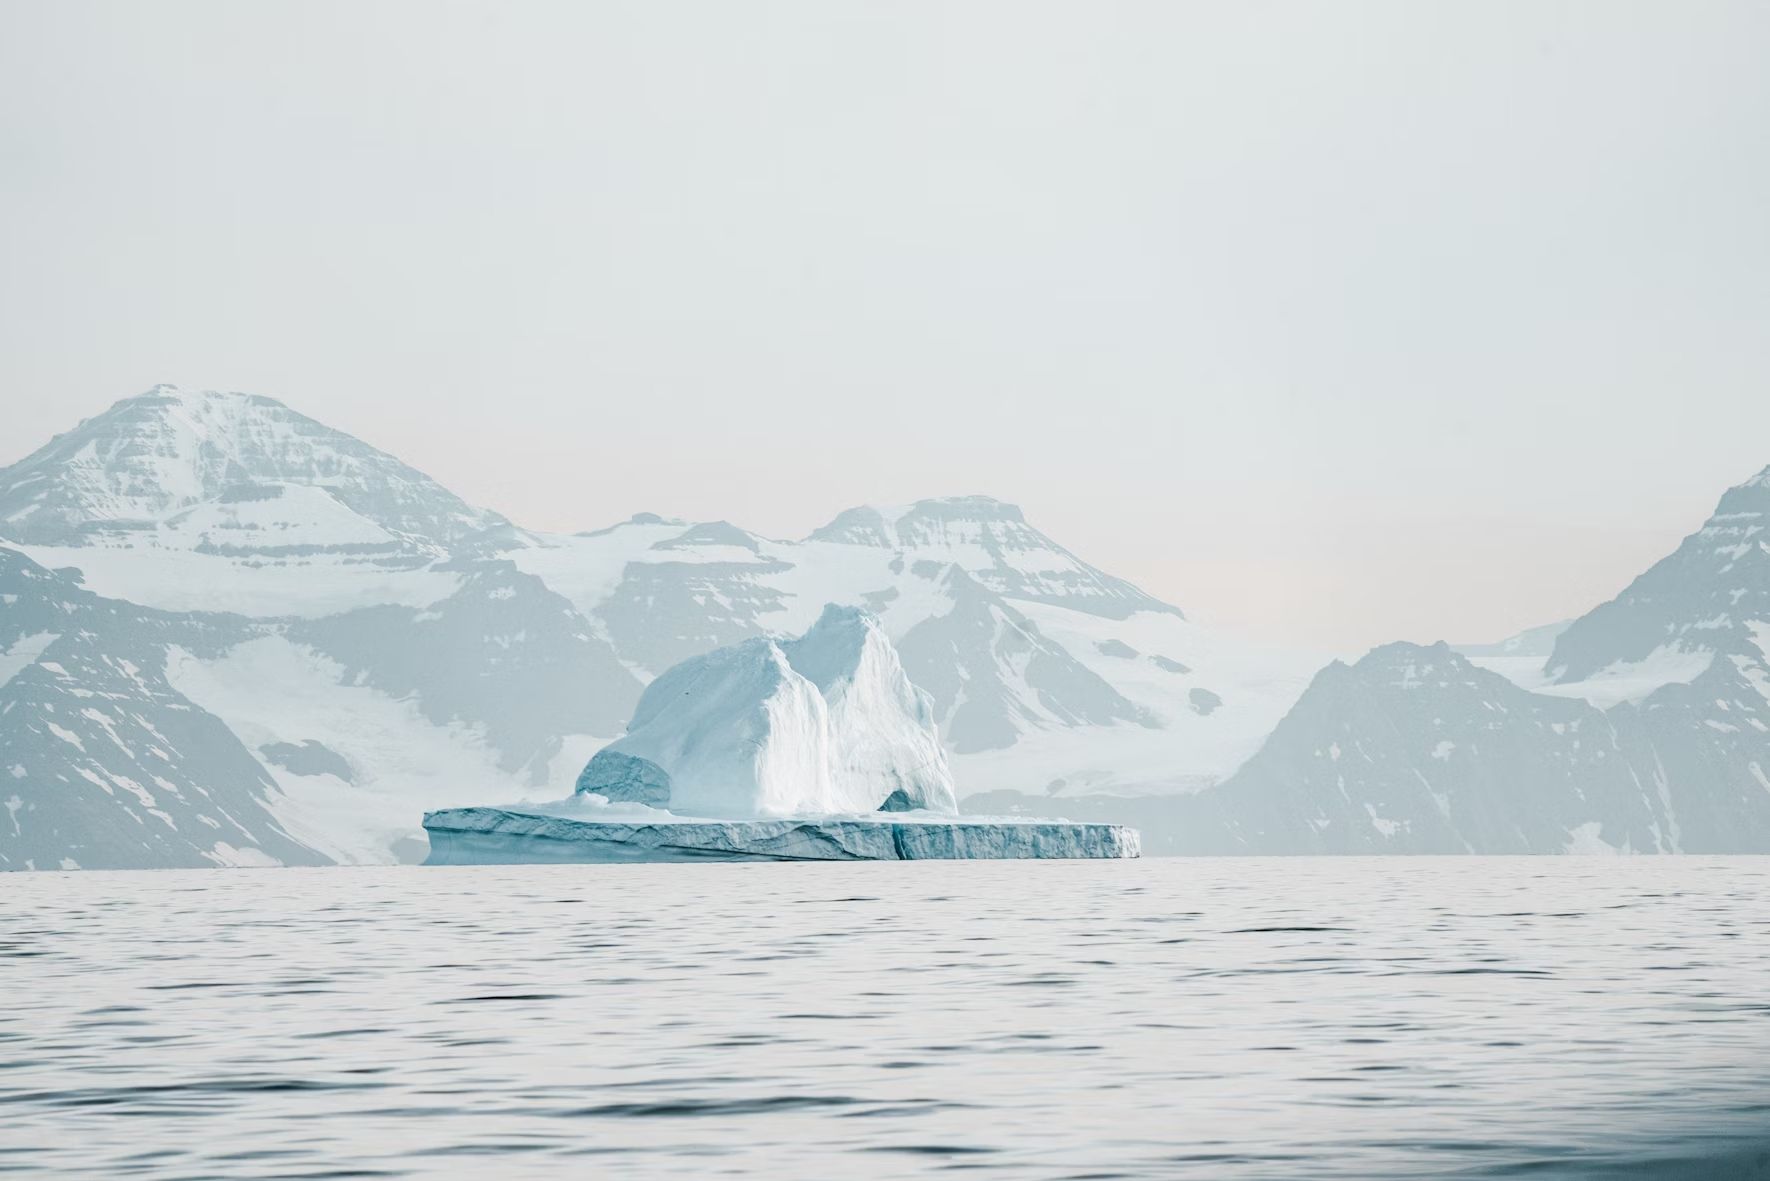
x: 1476, y: 1018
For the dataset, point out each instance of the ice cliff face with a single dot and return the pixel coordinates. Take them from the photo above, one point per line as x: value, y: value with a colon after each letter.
x: 560, y: 834
x: 827, y: 723
x: 882, y: 732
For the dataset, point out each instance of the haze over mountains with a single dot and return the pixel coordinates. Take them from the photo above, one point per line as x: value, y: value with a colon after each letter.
x: 231, y: 635
x: 374, y: 647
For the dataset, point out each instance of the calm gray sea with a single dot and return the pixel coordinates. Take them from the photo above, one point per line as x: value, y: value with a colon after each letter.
x: 1478, y: 1017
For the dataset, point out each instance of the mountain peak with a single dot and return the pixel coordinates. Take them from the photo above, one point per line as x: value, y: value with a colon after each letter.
x: 167, y: 449
x: 879, y: 525
x: 971, y: 508
x: 1711, y: 594
x: 991, y: 540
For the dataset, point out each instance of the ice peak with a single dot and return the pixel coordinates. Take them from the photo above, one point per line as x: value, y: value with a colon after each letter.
x: 826, y: 723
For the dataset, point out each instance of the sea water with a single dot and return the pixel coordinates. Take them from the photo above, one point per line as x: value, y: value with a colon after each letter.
x: 1219, y: 1018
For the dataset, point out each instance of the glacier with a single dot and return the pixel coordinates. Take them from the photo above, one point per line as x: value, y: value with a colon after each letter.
x: 810, y: 749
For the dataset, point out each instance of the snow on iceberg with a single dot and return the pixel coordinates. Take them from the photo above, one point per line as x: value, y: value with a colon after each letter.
x: 827, y: 723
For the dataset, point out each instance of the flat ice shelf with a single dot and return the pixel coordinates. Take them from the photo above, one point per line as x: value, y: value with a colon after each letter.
x: 502, y: 836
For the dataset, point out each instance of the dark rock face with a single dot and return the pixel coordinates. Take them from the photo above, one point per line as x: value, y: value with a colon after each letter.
x: 310, y: 757
x: 966, y: 661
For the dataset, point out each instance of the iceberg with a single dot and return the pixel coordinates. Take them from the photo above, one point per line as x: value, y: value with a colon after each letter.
x: 531, y: 834
x: 810, y: 749
x: 827, y: 723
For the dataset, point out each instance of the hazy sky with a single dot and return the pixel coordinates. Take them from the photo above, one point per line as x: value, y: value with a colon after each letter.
x: 1332, y: 323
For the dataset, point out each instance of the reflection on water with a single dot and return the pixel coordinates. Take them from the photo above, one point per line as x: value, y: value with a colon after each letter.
x: 1210, y: 1018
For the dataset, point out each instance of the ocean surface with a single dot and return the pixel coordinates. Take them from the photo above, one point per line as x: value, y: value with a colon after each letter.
x: 1220, y: 1018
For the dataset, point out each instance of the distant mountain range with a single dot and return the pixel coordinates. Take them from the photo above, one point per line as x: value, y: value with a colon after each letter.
x: 1642, y: 726
x: 230, y: 635
x: 305, y: 643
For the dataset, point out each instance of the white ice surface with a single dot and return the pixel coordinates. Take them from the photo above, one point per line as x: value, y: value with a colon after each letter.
x: 828, y: 723
x: 1188, y: 751
x: 1621, y: 682
x: 287, y: 515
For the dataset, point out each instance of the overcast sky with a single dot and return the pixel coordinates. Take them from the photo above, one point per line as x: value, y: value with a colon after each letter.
x: 1331, y: 323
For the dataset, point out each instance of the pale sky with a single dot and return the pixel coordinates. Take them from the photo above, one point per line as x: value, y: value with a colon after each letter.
x: 1330, y: 323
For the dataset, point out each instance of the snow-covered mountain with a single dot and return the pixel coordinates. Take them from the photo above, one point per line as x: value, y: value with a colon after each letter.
x: 232, y: 502
x: 1642, y: 726
x: 148, y: 460
x: 229, y: 634
x: 1047, y: 674
x: 372, y: 647
x: 1416, y: 750
x: 103, y: 763
x: 1709, y: 598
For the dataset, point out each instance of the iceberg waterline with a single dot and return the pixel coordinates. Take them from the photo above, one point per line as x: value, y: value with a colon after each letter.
x: 810, y: 749
x: 496, y: 836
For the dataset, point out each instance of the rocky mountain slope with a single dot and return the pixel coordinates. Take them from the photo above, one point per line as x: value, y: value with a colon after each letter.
x: 103, y: 764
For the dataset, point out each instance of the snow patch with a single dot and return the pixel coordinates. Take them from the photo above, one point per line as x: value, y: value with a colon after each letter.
x: 1585, y: 840
x: 23, y: 653
x: 1633, y: 682
x: 249, y: 857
